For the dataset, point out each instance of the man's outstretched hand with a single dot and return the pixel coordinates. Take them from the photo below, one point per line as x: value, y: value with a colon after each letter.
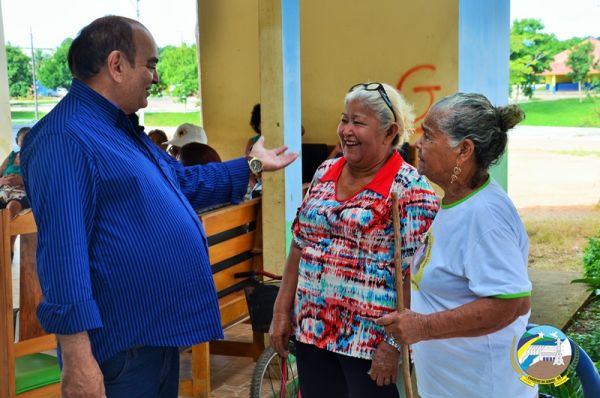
x: 272, y: 159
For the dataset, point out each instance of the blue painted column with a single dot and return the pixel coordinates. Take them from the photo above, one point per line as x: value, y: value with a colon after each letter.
x: 281, y: 121
x: 6, y: 140
x: 483, y: 54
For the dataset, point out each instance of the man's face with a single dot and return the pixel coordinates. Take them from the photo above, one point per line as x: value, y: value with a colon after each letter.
x: 139, y: 78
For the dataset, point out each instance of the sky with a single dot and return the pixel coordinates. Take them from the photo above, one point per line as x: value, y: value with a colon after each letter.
x: 174, y: 21
x: 52, y: 21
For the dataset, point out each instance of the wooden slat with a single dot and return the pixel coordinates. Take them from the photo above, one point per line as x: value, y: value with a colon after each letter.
x: 24, y: 223
x: 201, y: 371
x: 30, y: 293
x: 51, y: 391
x: 233, y: 308
x: 225, y: 278
x: 226, y: 218
x: 185, y: 387
x: 232, y: 247
x: 7, y: 353
x: 38, y: 344
x: 235, y: 348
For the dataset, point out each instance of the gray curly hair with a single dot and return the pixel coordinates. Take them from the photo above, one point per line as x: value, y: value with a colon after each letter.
x: 470, y: 115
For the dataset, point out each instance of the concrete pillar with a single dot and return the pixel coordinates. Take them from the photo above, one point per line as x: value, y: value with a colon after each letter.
x: 483, y: 52
x: 279, y: 59
x: 5, y: 121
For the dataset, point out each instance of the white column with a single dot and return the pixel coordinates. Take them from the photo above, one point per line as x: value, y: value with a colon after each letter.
x: 5, y: 121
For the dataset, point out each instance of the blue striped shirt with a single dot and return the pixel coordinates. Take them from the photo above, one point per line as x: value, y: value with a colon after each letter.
x: 121, y: 253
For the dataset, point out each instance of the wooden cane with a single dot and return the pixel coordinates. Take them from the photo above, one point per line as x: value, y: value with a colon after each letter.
x: 400, y: 290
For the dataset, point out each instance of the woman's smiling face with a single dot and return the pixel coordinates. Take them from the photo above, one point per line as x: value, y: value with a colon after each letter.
x: 364, y: 141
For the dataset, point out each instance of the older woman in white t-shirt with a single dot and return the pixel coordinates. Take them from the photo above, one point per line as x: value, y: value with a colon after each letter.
x: 470, y: 291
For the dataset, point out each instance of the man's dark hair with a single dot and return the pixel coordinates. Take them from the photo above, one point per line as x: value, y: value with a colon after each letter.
x: 196, y: 153
x: 22, y: 130
x: 90, y: 49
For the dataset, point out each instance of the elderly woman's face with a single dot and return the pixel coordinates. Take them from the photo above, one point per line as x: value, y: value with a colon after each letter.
x: 364, y: 142
x: 436, y: 158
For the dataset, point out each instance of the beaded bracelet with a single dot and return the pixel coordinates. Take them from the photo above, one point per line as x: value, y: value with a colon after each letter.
x: 391, y: 341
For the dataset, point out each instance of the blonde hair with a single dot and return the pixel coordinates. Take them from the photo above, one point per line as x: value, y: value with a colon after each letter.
x: 403, y: 111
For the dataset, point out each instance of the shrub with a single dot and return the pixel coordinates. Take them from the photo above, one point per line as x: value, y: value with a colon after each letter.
x: 591, y: 258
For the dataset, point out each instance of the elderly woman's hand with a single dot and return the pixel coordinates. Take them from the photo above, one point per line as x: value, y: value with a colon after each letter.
x: 279, y: 333
x: 384, y: 366
x: 406, y: 327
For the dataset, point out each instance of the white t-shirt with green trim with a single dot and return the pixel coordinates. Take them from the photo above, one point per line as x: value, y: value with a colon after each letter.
x: 476, y: 248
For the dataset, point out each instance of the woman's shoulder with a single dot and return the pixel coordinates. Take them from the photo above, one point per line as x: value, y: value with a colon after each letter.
x: 323, y: 168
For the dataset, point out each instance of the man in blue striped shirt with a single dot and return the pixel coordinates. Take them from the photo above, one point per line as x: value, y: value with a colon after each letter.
x: 122, y: 257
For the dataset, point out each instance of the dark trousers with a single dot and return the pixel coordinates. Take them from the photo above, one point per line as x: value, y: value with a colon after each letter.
x: 146, y: 372
x: 324, y: 374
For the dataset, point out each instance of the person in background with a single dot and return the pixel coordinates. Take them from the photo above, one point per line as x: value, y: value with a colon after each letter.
x: 186, y: 133
x: 196, y: 153
x: 122, y: 257
x: 12, y: 190
x: 470, y: 290
x: 255, y: 124
x: 159, y: 138
x: 339, y: 275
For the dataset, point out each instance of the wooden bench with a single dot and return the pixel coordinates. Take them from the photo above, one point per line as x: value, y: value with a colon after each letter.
x: 235, y: 242
x: 235, y: 245
x: 23, y: 367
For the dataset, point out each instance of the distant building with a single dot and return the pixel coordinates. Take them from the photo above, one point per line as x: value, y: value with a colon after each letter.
x: 557, y: 78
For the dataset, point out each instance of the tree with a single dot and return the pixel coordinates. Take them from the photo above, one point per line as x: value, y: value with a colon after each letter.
x: 530, y: 53
x: 19, y: 72
x: 178, y: 69
x: 54, y: 71
x: 581, y: 60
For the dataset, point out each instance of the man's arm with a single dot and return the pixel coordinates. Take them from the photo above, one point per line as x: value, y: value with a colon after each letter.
x: 217, y: 183
x: 81, y: 376
x: 60, y: 181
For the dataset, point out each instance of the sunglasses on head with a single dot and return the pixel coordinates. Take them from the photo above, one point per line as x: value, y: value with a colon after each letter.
x: 379, y: 88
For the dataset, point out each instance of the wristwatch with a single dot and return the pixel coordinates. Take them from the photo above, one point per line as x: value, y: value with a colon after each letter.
x: 392, y: 341
x: 255, y: 165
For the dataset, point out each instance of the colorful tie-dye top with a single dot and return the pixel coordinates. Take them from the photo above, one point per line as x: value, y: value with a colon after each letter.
x: 346, y: 272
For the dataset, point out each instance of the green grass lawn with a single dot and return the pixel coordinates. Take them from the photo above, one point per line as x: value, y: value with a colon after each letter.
x: 567, y: 112
x: 171, y: 118
x: 168, y: 119
x: 25, y: 116
x: 27, y: 102
x: 579, y: 153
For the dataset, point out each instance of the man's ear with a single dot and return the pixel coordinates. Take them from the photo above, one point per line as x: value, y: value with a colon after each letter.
x: 114, y: 64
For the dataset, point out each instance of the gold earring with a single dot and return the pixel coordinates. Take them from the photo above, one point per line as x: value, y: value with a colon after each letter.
x: 455, y: 173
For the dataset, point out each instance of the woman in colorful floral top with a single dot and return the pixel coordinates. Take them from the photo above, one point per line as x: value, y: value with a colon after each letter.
x: 339, y: 276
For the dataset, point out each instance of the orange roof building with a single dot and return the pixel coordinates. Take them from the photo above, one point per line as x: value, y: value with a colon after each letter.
x: 557, y: 77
